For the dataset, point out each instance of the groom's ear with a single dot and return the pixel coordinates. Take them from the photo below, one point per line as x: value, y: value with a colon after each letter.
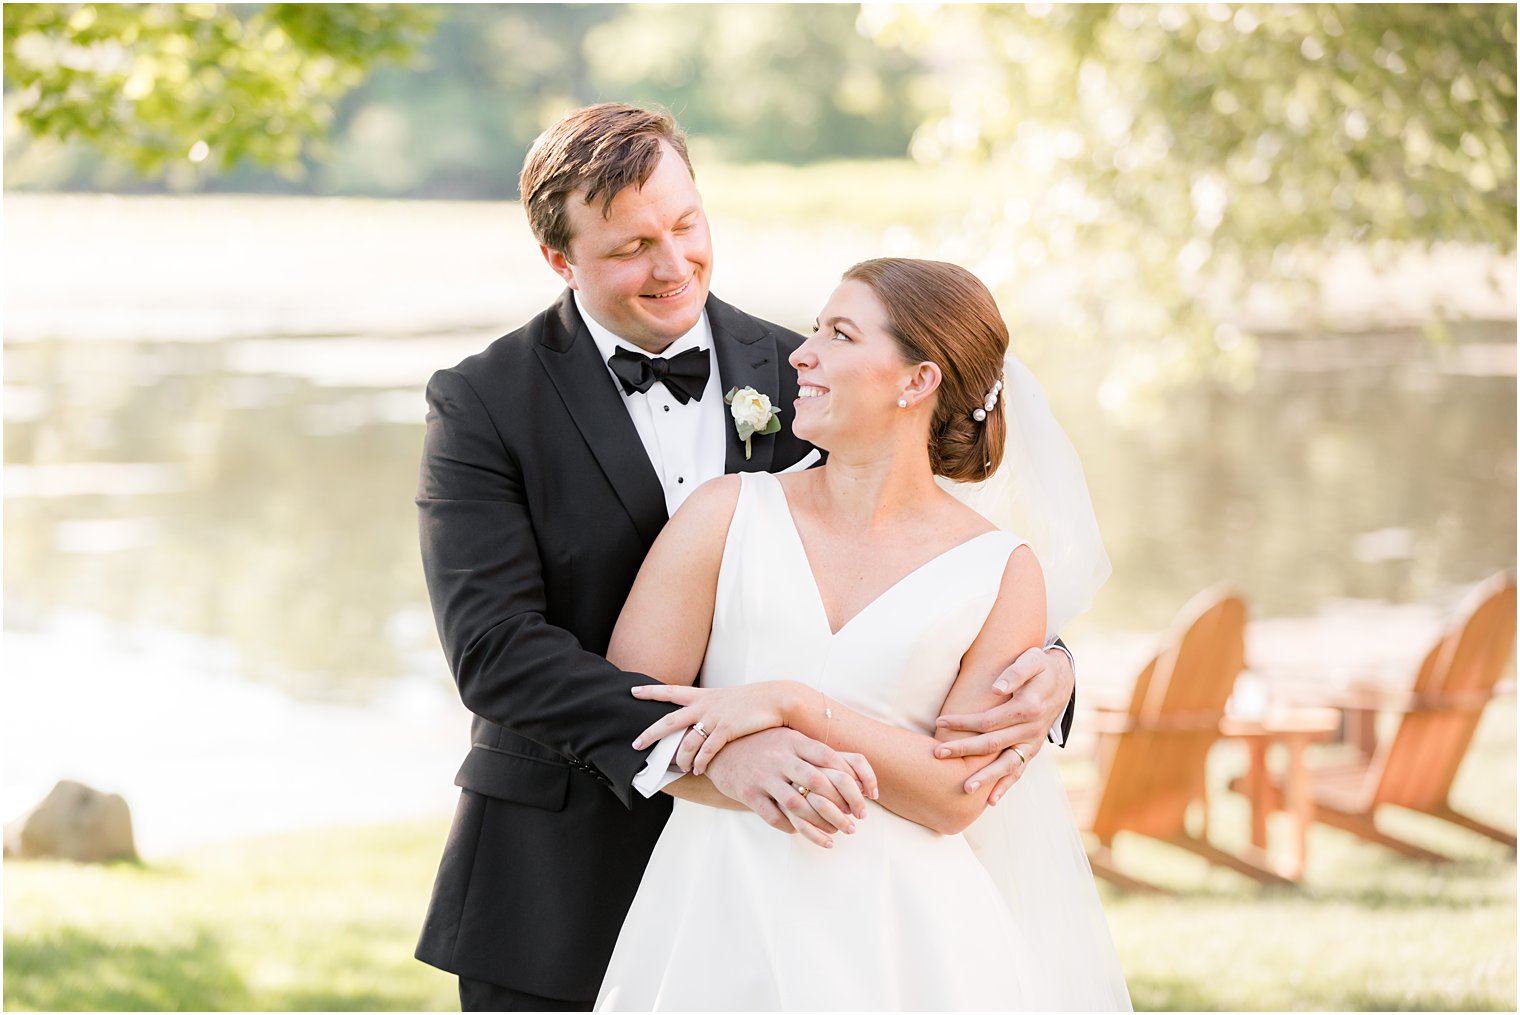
x: 560, y: 263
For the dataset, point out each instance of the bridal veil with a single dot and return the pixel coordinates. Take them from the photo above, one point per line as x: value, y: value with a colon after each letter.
x: 1040, y: 493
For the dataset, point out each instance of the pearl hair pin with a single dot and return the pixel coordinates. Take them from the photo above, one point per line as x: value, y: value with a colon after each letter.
x: 980, y: 412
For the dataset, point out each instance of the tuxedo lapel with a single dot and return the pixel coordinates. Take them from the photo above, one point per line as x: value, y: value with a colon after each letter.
x: 747, y: 358
x: 570, y: 357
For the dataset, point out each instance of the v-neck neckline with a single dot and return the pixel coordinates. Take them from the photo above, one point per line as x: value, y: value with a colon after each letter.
x: 807, y: 564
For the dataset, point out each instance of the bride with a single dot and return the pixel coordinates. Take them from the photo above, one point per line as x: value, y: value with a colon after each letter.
x: 857, y: 602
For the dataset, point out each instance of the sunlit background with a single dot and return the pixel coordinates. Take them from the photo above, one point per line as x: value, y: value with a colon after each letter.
x: 1261, y: 258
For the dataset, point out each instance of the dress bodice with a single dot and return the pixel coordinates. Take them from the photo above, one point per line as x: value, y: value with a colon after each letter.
x: 734, y: 915
x: 894, y: 661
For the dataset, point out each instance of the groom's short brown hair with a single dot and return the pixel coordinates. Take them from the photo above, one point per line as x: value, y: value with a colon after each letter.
x: 600, y: 149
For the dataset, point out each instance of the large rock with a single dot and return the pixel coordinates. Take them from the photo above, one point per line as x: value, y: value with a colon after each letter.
x: 74, y: 822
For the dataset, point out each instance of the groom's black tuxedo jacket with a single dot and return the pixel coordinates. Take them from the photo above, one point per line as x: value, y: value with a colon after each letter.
x: 538, y: 504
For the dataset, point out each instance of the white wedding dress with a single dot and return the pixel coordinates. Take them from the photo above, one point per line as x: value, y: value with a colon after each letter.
x: 733, y: 915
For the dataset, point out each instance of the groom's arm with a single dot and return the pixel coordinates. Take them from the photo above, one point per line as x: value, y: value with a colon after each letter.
x: 486, y: 582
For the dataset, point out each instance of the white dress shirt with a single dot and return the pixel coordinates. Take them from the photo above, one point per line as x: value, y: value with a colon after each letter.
x: 684, y: 442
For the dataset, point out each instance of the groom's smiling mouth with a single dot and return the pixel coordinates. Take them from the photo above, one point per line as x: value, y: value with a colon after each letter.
x: 672, y: 294
x: 805, y: 391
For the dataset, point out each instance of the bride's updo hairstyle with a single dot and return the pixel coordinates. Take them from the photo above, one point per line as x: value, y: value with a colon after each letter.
x: 941, y: 313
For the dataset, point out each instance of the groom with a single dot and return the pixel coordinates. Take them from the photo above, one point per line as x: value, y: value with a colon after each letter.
x: 551, y: 461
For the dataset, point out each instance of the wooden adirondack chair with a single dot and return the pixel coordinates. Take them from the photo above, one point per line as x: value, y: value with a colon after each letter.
x: 1152, y: 756
x: 1415, y: 767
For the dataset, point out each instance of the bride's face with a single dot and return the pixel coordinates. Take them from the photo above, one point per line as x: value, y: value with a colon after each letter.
x: 850, y: 372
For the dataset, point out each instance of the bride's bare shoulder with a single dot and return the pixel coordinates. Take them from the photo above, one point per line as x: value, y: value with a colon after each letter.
x: 803, y: 480
x: 962, y: 517
x: 801, y: 489
x: 709, y: 509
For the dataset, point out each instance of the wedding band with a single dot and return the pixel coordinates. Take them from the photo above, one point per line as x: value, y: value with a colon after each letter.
x: 803, y: 791
x: 696, y: 727
x: 1020, y: 754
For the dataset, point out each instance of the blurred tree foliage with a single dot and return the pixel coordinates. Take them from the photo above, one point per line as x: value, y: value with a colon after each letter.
x: 788, y: 83
x: 1147, y: 170
x: 489, y: 80
x: 753, y: 82
x: 1209, y: 152
x: 159, y: 84
x: 768, y: 82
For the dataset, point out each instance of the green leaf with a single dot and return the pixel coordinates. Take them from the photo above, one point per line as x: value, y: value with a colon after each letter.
x: 281, y: 68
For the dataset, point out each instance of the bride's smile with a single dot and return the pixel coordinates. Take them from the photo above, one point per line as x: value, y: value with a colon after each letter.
x: 851, y: 373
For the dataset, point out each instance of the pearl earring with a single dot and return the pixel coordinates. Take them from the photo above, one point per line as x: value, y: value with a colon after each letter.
x: 902, y: 403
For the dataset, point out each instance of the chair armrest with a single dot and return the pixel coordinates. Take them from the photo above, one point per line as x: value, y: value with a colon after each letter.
x: 1112, y: 722
x: 1373, y: 698
x: 1106, y: 721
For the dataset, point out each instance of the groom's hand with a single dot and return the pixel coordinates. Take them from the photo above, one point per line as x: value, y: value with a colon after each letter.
x: 767, y: 772
x: 1039, y: 685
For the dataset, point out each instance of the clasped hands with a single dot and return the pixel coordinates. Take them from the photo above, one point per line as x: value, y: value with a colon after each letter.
x: 1038, y: 685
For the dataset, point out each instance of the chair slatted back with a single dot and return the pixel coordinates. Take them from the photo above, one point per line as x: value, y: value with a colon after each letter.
x: 1156, y: 768
x: 1417, y: 765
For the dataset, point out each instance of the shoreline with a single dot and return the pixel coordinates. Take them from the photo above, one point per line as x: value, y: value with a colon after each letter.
x: 208, y: 267
x: 208, y: 757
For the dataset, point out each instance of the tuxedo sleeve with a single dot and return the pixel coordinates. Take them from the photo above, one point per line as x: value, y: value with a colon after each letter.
x: 1061, y: 732
x: 486, y: 583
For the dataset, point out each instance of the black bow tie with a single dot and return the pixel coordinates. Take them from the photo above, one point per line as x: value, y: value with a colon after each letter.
x: 684, y: 375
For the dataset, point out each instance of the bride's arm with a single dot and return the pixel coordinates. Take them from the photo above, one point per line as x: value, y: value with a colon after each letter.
x: 664, y: 626
x: 914, y: 783
x: 665, y: 623
x: 663, y: 631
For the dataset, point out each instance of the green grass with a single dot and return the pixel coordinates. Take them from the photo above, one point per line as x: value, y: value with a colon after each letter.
x: 1369, y: 930
x: 327, y: 920
x: 315, y: 921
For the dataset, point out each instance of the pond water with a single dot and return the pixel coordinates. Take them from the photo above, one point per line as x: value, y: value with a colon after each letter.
x: 207, y: 455
x: 211, y: 488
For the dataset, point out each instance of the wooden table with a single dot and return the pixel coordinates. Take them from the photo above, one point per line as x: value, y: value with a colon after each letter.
x: 1297, y: 728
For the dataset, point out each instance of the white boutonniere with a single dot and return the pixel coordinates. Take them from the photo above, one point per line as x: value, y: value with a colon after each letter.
x: 753, y: 413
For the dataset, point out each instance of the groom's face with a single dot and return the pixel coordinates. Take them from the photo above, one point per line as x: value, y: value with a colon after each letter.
x: 643, y: 269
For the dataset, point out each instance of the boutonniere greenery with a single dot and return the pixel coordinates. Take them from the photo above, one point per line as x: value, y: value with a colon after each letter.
x: 753, y: 414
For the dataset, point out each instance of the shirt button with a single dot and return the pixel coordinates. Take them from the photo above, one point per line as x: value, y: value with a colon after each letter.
x: 667, y: 408
x: 680, y: 479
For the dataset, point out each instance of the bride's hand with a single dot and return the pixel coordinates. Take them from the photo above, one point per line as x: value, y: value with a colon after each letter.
x: 726, y: 714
